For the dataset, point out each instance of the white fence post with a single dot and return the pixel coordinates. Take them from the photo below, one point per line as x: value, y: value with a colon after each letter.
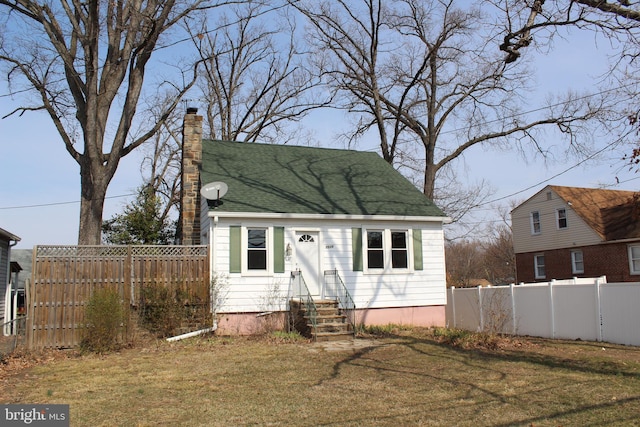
x: 453, y: 307
x: 513, y: 309
x: 552, y: 314
x: 598, y: 311
x: 480, y: 309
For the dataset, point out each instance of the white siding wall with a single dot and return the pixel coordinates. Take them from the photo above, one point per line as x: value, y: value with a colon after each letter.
x: 255, y: 293
x: 578, y: 233
x: 4, y: 275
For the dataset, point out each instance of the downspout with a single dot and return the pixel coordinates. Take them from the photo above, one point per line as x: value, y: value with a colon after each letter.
x: 212, y: 267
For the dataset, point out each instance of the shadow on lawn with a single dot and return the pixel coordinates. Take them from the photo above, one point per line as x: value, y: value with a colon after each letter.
x: 590, y: 362
x: 622, y: 417
x: 566, y: 358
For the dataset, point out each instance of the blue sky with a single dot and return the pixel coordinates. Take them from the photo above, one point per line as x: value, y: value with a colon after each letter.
x: 40, y: 183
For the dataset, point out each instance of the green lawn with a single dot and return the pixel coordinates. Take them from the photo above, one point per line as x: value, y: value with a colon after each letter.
x: 406, y: 378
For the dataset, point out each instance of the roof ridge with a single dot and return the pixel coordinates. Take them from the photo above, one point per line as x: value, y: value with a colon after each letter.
x: 266, y: 144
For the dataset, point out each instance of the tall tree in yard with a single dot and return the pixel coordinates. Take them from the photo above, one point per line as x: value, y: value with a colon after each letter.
x: 427, y: 78
x: 86, y: 62
x: 254, y: 74
x: 615, y: 24
x: 537, y: 22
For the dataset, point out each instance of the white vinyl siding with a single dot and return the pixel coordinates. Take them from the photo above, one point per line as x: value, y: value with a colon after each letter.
x: 4, y: 275
x: 577, y: 234
x: 246, y: 293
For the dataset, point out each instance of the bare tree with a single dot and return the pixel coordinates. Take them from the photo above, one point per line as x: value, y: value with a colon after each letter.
x: 86, y: 62
x: 499, y: 256
x: 161, y: 165
x: 464, y: 263
x: 525, y: 19
x: 254, y: 77
x: 428, y: 73
x: 537, y: 23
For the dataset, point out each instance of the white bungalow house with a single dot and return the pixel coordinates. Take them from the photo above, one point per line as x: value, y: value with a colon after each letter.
x: 282, y: 221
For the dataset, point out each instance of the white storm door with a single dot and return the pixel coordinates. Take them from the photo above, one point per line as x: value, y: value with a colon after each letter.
x: 308, y: 260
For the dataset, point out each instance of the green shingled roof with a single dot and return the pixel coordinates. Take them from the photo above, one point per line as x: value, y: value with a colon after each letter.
x: 306, y: 180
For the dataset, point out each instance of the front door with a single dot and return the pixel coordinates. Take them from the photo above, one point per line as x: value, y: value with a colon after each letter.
x: 308, y: 260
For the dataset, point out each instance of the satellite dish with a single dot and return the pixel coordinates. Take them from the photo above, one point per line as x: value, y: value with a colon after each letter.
x: 214, y: 191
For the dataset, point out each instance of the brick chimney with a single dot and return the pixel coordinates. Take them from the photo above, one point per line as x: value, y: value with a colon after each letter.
x: 190, y: 195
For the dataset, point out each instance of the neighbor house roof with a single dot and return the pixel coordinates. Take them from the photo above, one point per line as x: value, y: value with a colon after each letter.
x: 5, y: 235
x: 613, y: 214
x: 307, y: 180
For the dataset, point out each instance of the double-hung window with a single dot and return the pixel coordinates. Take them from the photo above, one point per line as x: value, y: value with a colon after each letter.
x: 399, y: 250
x: 256, y: 248
x: 387, y: 249
x: 375, y: 249
x: 577, y: 262
x: 538, y: 261
x: 634, y: 259
x: 561, y: 217
x: 536, y: 228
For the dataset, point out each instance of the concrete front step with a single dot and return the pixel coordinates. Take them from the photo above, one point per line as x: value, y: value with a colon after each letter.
x: 334, y: 318
x: 331, y: 324
x: 332, y: 327
x: 333, y: 336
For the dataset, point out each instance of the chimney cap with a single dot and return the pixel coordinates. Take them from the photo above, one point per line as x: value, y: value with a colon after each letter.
x: 192, y: 110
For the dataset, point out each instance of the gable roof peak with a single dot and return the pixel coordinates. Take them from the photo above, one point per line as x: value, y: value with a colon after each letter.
x: 613, y: 214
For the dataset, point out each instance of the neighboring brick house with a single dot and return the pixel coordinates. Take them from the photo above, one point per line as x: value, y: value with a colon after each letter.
x: 312, y: 210
x: 564, y: 232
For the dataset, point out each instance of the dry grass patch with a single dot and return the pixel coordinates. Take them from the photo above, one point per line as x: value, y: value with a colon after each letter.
x: 405, y: 378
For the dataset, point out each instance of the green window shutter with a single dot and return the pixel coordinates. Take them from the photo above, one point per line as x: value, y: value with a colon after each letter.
x: 278, y: 249
x: 417, y: 249
x: 235, y: 249
x: 356, y: 241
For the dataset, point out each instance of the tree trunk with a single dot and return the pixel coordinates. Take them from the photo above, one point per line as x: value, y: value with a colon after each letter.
x: 94, y: 189
x: 429, y: 180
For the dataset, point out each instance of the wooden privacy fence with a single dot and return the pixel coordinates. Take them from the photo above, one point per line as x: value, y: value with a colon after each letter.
x: 587, y: 309
x: 64, y: 278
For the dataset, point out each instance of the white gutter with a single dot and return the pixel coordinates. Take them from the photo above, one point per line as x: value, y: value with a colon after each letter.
x: 271, y: 215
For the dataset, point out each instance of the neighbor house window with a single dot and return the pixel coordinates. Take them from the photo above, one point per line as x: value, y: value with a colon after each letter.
x: 399, y: 249
x: 538, y: 261
x: 375, y: 249
x: 577, y: 262
x: 561, y: 216
x: 535, y: 223
x: 256, y: 249
x: 634, y: 259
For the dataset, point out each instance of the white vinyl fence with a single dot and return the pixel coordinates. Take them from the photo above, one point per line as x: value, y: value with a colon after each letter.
x: 586, y: 309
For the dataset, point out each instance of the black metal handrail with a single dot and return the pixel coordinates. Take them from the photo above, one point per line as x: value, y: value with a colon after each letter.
x: 301, y: 291
x: 336, y: 289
